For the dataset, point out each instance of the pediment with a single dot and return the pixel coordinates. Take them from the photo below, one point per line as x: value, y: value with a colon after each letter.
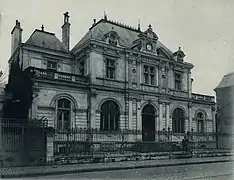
x: 162, y: 52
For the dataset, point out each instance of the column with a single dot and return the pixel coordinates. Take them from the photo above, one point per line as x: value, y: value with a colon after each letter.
x: 189, y: 85
x: 129, y: 70
x: 139, y: 75
x: 167, y: 78
x: 167, y: 115
x: 139, y: 120
x: 213, y: 120
x: 130, y: 114
x: 160, y: 115
x: 159, y: 77
x: 189, y: 116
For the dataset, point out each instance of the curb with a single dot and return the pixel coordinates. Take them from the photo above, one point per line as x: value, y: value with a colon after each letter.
x: 108, y: 169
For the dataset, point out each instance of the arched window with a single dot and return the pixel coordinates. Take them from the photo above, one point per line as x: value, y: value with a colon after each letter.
x: 110, y: 115
x: 178, y: 121
x: 200, y: 123
x: 63, y: 114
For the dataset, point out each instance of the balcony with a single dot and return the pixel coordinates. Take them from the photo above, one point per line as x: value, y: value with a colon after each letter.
x: 60, y: 76
x: 200, y: 97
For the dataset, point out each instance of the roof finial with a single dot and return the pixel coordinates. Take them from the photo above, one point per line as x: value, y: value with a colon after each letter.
x: 66, y: 17
x: 42, y: 27
x: 150, y: 27
x: 179, y: 48
x: 139, y: 24
x: 94, y: 22
x: 105, y: 16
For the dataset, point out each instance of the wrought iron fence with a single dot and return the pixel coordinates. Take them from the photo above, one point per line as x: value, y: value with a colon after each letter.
x: 22, y: 142
x: 81, y: 141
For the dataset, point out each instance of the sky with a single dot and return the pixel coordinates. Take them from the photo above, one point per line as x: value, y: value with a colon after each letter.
x: 204, y: 29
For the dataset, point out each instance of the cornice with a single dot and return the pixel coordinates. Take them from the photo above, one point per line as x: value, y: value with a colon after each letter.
x: 47, y: 51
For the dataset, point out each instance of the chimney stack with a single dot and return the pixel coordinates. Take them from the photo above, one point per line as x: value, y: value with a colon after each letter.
x: 16, y: 37
x: 66, y: 31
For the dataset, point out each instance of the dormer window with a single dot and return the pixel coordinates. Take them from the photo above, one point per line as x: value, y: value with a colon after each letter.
x: 112, y: 38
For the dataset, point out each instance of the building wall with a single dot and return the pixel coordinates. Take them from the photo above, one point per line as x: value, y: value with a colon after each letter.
x: 225, y: 106
x: 45, y: 104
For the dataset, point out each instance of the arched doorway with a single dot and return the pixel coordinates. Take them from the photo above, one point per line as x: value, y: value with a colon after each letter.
x: 148, y: 123
x: 178, y: 121
x: 110, y: 115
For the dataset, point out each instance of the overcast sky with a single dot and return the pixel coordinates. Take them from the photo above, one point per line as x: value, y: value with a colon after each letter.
x: 203, y: 28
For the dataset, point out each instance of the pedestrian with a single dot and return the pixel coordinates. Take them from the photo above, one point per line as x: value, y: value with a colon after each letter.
x: 184, y: 144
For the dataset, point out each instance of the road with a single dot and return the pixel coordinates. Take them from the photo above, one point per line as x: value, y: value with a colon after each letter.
x: 214, y: 171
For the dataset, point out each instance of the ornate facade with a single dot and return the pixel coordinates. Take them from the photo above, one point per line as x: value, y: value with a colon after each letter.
x: 116, y: 77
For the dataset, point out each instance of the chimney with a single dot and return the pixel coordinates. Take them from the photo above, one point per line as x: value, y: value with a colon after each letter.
x: 16, y: 37
x: 66, y: 31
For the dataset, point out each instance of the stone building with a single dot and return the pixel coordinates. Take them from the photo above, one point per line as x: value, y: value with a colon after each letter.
x: 225, y: 109
x: 116, y: 77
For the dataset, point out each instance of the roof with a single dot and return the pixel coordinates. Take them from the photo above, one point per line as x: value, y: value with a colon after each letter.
x: 46, y: 40
x: 127, y: 34
x: 227, y: 81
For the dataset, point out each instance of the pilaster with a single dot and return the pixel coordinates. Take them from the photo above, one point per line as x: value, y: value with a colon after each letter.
x: 189, y: 116
x: 160, y: 115
x: 167, y: 114
x: 139, y: 119
x: 213, y: 119
x: 130, y: 114
x: 189, y: 84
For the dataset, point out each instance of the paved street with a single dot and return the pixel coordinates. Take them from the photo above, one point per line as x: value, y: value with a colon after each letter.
x: 214, y: 171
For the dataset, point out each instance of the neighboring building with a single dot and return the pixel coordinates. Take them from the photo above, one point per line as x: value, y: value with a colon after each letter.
x: 116, y: 77
x: 225, y: 108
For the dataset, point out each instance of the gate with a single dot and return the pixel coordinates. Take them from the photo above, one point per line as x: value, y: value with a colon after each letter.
x: 23, y: 142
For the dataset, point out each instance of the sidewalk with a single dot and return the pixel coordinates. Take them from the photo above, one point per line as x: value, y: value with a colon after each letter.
x: 17, y: 172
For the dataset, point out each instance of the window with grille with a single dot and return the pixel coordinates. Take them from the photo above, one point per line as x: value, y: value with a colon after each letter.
x: 110, y: 69
x: 178, y: 81
x: 149, y: 75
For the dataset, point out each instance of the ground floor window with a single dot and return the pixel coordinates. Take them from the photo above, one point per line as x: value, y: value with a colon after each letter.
x: 63, y: 114
x: 110, y: 116
x: 178, y: 121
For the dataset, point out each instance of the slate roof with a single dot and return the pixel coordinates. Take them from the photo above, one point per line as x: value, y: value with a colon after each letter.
x: 46, y: 40
x: 227, y: 81
x: 127, y: 35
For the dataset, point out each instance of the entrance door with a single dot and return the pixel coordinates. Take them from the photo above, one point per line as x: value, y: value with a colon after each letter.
x: 148, y: 123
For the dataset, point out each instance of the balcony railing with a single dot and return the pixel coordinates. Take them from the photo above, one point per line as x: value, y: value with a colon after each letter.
x: 201, y: 97
x: 55, y: 75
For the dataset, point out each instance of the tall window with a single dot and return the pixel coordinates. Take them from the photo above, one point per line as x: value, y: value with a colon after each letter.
x: 178, y: 81
x: 178, y: 121
x: 82, y: 64
x: 149, y: 75
x: 200, y: 123
x: 110, y: 115
x: 110, y: 69
x: 63, y: 114
x: 52, y: 65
